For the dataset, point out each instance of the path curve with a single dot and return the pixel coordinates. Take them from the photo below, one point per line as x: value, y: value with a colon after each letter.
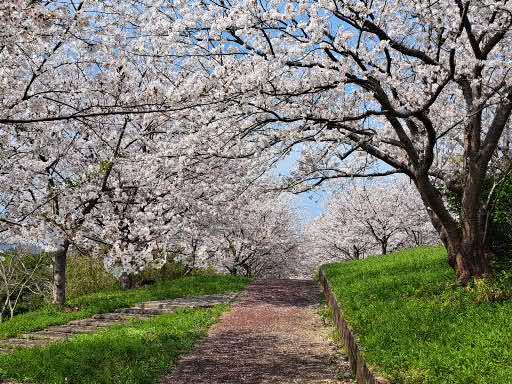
x: 272, y: 335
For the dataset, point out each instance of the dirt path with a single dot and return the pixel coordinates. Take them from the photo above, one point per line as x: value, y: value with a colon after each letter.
x: 272, y: 335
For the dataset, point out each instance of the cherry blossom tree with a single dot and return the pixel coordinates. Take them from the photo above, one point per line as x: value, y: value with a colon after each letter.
x: 370, y: 218
x: 256, y: 237
x: 420, y: 88
x: 361, y: 88
x: 52, y: 179
x: 73, y: 103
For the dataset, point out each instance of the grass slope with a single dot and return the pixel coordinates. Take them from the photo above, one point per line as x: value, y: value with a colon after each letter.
x: 416, y: 326
x: 103, y: 302
x: 137, y: 353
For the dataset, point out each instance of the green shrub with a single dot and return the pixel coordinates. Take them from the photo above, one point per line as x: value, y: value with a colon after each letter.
x: 169, y: 271
x: 499, y: 223
x: 495, y: 289
x: 86, y: 274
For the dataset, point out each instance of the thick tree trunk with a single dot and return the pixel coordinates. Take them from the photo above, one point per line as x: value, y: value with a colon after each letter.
x: 465, y: 243
x: 59, y: 274
x: 471, y: 257
x: 468, y: 254
x: 471, y: 260
x: 384, y: 247
x: 472, y: 254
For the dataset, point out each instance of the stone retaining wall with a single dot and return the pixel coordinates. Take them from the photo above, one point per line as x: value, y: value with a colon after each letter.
x: 363, y: 374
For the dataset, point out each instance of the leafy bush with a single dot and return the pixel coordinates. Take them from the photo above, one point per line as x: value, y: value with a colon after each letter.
x: 171, y: 270
x: 86, y: 274
x: 495, y: 289
x: 499, y: 222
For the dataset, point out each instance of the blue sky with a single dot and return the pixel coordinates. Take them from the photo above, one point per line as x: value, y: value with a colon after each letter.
x: 309, y: 204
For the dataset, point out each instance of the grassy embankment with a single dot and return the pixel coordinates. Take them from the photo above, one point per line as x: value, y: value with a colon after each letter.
x: 416, y: 326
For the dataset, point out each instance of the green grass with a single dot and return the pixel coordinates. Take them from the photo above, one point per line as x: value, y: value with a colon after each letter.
x: 102, y: 302
x: 140, y: 352
x: 416, y: 326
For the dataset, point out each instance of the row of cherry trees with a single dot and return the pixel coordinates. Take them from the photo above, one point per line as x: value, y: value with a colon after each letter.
x: 134, y: 191
x: 423, y: 87
x: 86, y: 162
x: 124, y: 122
x: 369, y: 219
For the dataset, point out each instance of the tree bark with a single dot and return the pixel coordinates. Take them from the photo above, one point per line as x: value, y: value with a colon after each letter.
x: 468, y: 254
x: 357, y: 253
x: 59, y: 274
x: 384, y: 247
x: 472, y: 257
x: 126, y: 281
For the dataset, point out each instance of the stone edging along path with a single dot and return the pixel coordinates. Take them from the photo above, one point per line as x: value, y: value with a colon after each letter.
x: 363, y: 373
x: 142, y: 311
